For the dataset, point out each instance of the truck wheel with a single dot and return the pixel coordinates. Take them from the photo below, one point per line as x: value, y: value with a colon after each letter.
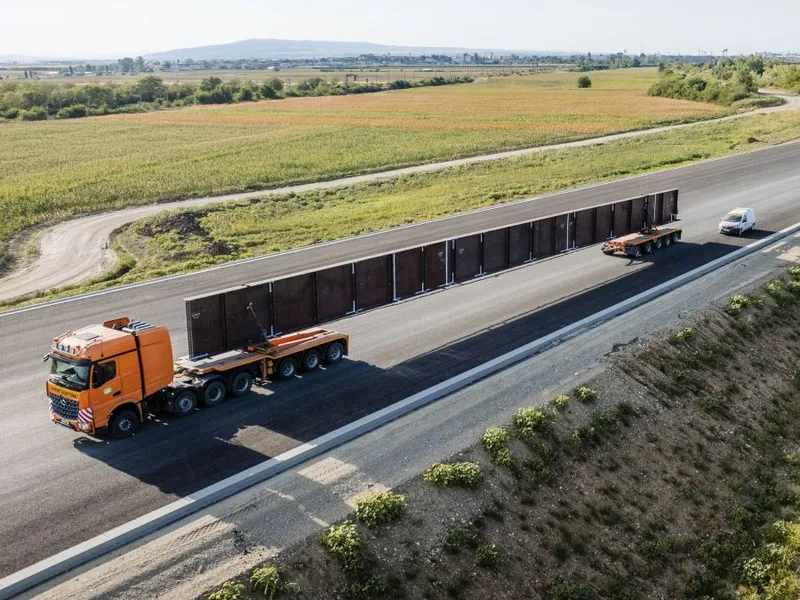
x: 184, y: 403
x: 214, y: 392
x: 310, y: 361
x: 123, y: 424
x: 334, y: 353
x: 241, y: 382
x: 287, y: 369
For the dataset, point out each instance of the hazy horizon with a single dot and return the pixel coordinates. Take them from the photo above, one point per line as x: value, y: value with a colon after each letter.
x: 127, y: 28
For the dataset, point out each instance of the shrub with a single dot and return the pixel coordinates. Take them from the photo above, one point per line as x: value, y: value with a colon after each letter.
x: 462, y: 474
x: 571, y: 591
x: 11, y: 113
x: 561, y: 401
x: 268, y: 580
x: 737, y: 303
x: 794, y: 272
x: 774, y: 287
x: 495, y: 442
x: 584, y: 82
x: 37, y: 113
x: 381, y: 508
x: 585, y: 394
x: 530, y: 421
x: 76, y: 111
x: 463, y: 534
x: 488, y: 556
x: 229, y: 591
x: 679, y: 337
x: 344, y: 544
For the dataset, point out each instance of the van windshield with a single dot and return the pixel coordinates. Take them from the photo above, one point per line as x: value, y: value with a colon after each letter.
x: 733, y: 218
x: 71, y: 374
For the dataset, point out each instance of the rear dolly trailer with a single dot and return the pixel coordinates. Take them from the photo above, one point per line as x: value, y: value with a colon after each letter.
x: 645, y: 241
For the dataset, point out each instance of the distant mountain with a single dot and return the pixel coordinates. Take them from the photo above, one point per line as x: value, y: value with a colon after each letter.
x: 287, y: 49
x: 28, y: 60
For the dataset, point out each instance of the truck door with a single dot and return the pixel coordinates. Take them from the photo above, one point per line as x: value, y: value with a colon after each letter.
x: 106, y: 390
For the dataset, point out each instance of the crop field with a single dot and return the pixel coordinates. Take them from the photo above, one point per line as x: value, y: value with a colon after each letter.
x: 56, y: 169
x: 295, y: 75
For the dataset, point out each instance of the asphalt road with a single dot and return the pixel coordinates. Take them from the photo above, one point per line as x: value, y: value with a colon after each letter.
x: 58, y: 488
x: 87, y: 237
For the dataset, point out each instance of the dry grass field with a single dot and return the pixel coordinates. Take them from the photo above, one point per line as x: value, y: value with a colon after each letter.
x: 56, y: 169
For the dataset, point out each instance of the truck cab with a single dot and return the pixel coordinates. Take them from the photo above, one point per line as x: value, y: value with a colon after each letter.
x: 100, y: 374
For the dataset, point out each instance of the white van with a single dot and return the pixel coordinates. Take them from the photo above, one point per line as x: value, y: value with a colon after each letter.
x: 738, y: 221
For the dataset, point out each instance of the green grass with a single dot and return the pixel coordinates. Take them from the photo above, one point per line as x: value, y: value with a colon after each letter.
x: 56, y: 169
x: 287, y: 221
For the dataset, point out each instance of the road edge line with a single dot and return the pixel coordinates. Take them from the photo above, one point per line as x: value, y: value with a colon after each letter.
x: 112, y: 540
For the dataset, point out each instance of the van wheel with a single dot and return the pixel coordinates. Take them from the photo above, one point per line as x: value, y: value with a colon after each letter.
x: 184, y: 403
x: 334, y: 353
x: 124, y: 424
x: 311, y: 361
x: 241, y: 382
x: 287, y: 369
x: 214, y: 392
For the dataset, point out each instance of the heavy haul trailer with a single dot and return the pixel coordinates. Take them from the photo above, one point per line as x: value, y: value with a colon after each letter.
x: 112, y: 376
x: 644, y: 242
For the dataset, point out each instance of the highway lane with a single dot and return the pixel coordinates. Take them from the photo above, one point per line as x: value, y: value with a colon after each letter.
x: 58, y: 488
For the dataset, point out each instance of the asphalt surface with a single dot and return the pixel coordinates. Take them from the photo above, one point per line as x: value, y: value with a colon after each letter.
x: 230, y: 537
x: 87, y: 237
x: 58, y: 488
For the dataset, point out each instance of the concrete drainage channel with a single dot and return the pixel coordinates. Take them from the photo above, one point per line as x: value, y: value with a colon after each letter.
x: 118, y: 537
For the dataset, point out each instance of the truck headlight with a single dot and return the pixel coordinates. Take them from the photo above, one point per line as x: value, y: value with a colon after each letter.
x: 85, y: 427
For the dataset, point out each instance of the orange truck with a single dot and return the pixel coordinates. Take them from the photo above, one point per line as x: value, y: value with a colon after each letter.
x: 111, y: 377
x: 645, y: 241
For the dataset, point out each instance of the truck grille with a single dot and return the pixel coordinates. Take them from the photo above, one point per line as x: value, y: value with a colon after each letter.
x: 64, y: 407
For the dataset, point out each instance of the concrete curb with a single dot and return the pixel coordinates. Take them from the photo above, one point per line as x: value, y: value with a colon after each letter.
x: 118, y: 537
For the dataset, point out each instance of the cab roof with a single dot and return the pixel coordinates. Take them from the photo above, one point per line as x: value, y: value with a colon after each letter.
x: 93, y: 343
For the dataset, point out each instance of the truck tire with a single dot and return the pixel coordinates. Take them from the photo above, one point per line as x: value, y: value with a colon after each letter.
x: 124, y: 424
x: 287, y: 368
x: 240, y: 383
x: 214, y: 392
x: 311, y: 361
x: 184, y: 402
x: 334, y: 353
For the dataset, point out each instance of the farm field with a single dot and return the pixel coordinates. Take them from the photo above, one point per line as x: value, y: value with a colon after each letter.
x: 295, y: 75
x: 55, y: 169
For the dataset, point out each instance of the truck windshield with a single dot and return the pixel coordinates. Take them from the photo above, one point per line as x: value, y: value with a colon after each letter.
x: 733, y: 218
x: 70, y: 373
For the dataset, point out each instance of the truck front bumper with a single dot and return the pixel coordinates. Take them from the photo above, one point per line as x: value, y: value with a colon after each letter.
x: 79, y: 426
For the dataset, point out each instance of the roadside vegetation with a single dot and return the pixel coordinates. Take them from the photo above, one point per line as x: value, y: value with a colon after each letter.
x: 674, y: 473
x: 41, y: 100
x: 128, y: 160
x: 728, y: 82
x: 193, y: 239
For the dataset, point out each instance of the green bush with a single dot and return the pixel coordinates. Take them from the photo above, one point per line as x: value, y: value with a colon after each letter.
x: 462, y: 535
x: 571, y: 591
x: 461, y: 474
x: 561, y: 401
x: 737, y: 303
x: 585, y: 394
x: 488, y: 555
x: 344, y: 544
x: 268, y: 580
x: 794, y: 273
x: 495, y: 442
x: 229, y: 591
x: 37, y: 113
x: 530, y: 421
x: 584, y: 82
x: 381, y: 508
x: 75, y: 111
x: 679, y: 337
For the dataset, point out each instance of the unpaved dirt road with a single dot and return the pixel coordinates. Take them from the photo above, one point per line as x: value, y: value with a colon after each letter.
x: 87, y: 237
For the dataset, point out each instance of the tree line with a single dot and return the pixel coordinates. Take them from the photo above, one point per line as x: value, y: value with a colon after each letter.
x: 42, y: 100
x: 723, y: 81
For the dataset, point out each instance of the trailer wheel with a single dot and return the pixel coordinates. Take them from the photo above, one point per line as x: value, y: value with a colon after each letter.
x: 658, y: 243
x: 184, y: 403
x: 675, y: 237
x: 311, y: 361
x: 667, y: 241
x: 214, y: 392
x: 648, y: 248
x: 123, y: 424
x: 287, y: 369
x: 637, y: 252
x: 334, y: 353
x: 241, y: 382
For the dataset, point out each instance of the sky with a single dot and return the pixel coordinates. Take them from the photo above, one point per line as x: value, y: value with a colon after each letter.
x: 114, y: 28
